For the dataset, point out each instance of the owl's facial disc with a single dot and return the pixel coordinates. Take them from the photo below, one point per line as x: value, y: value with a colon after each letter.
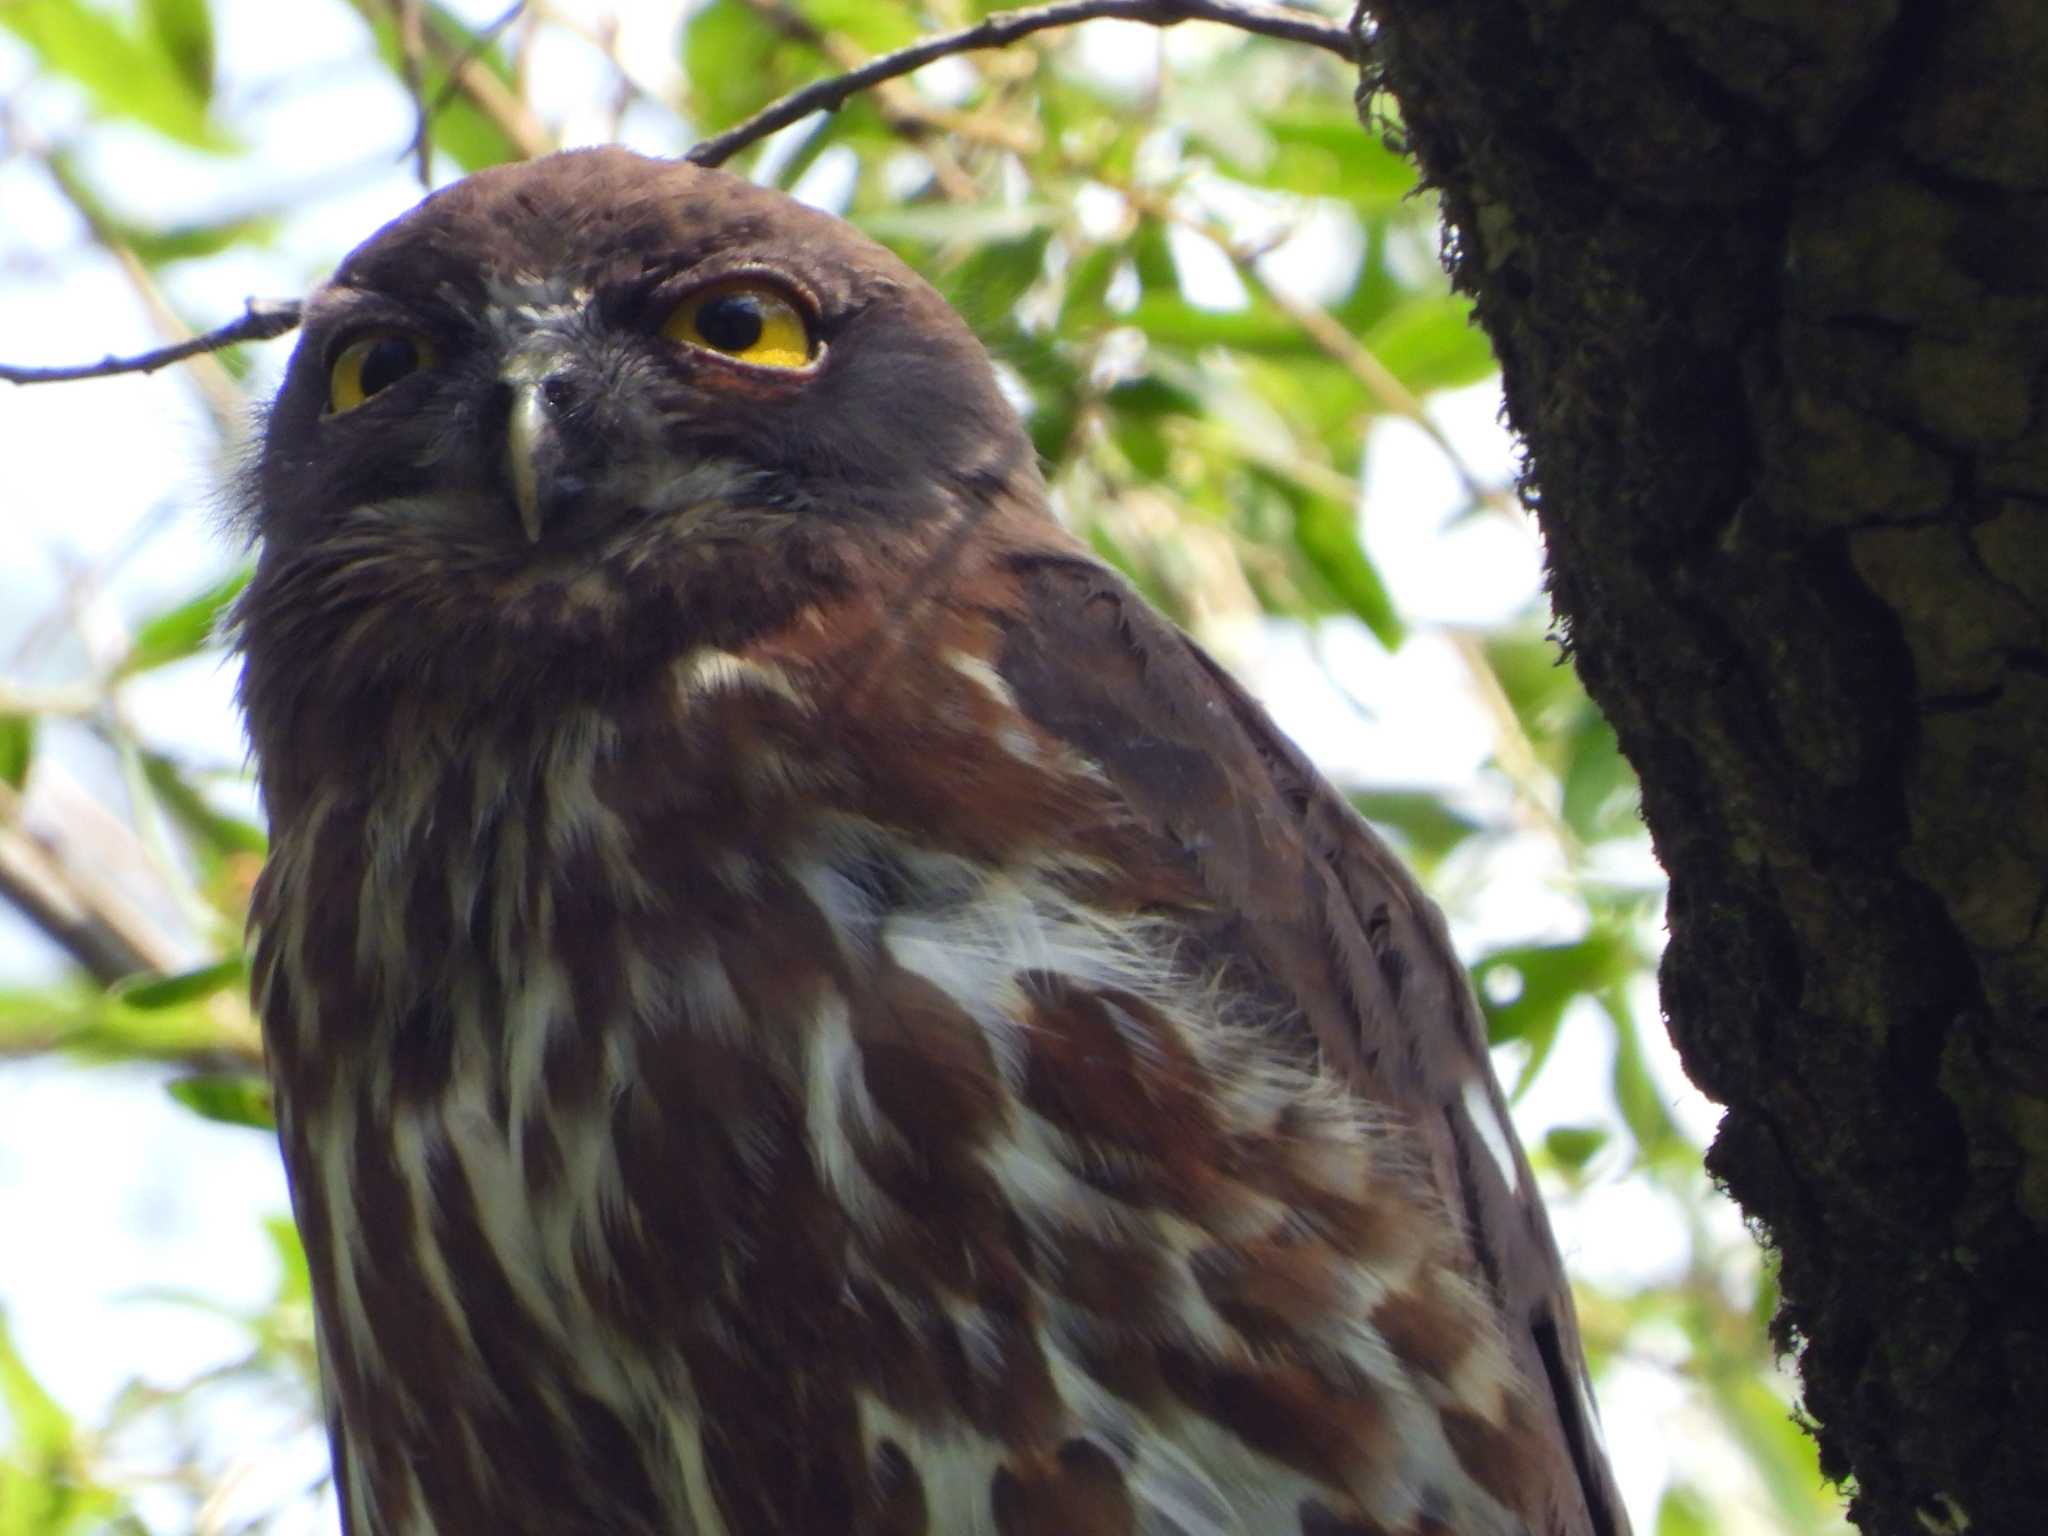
x: 577, y: 428
x: 619, y: 379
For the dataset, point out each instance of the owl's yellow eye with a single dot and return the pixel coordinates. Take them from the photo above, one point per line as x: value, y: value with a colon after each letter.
x: 372, y: 363
x: 743, y: 319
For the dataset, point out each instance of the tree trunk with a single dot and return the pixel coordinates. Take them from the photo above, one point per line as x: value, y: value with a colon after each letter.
x: 1767, y: 281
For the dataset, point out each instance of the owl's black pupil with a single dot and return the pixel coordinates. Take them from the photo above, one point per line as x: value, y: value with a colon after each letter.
x: 731, y: 322
x: 389, y: 359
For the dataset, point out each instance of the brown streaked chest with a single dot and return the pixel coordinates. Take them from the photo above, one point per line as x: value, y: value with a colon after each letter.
x: 548, y: 1014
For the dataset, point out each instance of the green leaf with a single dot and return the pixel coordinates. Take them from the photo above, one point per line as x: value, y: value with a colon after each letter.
x: 1430, y: 343
x: 962, y: 224
x: 1313, y: 151
x: 460, y: 129
x: 41, y: 1427
x: 17, y: 748
x: 184, y: 630
x: 1151, y: 396
x: 987, y: 285
x: 183, y: 29
x: 1636, y: 1093
x: 1328, y: 153
x: 87, y: 1024
x: 1425, y: 823
x: 155, y: 244
x: 1600, y: 793
x: 124, y: 75
x: 45, y: 1489
x: 1326, y: 533
x: 217, y: 833
x: 1684, y: 1512
x: 736, y: 64
x: 1782, y: 1453
x: 1539, y: 684
x: 1153, y: 257
x: 295, y: 1282
x: 876, y: 28
x: 186, y: 986
x: 230, y: 1098
x: 1139, y: 440
x: 1259, y: 327
x: 1574, y: 1146
x: 1535, y: 982
x: 1084, y: 305
x: 1055, y: 384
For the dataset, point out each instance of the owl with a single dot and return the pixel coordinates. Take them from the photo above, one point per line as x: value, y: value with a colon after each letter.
x: 800, y: 1006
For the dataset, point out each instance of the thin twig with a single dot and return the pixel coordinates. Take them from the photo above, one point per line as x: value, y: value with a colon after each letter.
x: 897, y: 100
x: 453, y: 85
x: 89, y: 919
x: 261, y: 320
x: 491, y: 96
x: 1006, y: 27
x: 1332, y: 337
x: 407, y: 13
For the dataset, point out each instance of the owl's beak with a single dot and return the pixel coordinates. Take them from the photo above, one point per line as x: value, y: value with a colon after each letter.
x: 524, y: 431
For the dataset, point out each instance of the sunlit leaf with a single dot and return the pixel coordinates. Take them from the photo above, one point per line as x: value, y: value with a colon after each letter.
x: 1599, y: 786
x: 735, y: 62
x: 152, y: 244
x: 1526, y: 987
x: 1055, y: 384
x: 45, y: 1489
x: 185, y: 987
x: 1152, y: 396
x: 231, y: 1099
x: 1429, y: 828
x: 1636, y: 1093
x: 459, y: 128
x: 1084, y: 305
x: 1783, y: 1454
x: 184, y: 630
x: 17, y: 749
x: 1574, y: 1146
x: 1684, y: 1512
x: 90, y: 1025
x: 1139, y: 440
x: 1152, y: 257
x: 1260, y: 327
x: 1431, y: 342
x: 876, y: 28
x: 126, y: 74
x: 1323, y: 152
x: 857, y: 125
x: 1326, y: 533
x: 183, y: 29
x: 986, y: 286
x: 295, y: 1282
x: 217, y: 833
x: 1541, y: 688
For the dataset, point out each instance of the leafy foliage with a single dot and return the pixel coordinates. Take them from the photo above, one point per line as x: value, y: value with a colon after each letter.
x: 1131, y: 241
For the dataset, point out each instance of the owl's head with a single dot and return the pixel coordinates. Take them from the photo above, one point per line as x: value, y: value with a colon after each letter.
x: 598, y: 398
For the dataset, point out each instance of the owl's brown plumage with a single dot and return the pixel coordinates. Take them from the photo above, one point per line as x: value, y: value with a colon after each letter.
x: 800, y: 1007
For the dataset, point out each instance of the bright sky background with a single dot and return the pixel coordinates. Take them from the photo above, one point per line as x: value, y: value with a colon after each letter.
x: 107, y: 1188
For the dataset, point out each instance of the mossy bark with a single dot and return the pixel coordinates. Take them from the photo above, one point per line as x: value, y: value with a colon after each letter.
x: 1769, y: 284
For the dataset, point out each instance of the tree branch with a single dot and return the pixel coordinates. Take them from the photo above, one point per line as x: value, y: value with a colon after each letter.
x: 1007, y: 27
x: 261, y: 320
x: 94, y: 923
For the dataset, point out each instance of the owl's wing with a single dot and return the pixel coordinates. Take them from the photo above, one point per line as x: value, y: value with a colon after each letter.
x: 1320, y: 908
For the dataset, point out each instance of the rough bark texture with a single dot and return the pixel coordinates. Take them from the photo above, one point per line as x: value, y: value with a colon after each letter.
x: 1767, y: 281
